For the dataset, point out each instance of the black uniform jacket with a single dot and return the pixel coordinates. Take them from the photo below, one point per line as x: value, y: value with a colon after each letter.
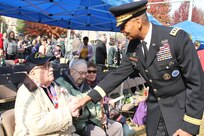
x: 174, y: 75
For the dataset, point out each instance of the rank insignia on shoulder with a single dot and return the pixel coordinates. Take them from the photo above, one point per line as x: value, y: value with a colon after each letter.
x: 174, y: 31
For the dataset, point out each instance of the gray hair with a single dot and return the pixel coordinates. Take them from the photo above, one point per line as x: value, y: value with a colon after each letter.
x: 77, y: 62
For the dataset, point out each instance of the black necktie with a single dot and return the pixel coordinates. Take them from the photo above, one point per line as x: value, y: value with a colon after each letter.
x: 145, y: 50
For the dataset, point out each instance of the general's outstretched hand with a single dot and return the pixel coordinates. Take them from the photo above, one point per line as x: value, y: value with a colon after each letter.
x: 81, y: 103
x: 72, y: 102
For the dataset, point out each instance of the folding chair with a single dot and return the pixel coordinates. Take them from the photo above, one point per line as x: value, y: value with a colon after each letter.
x: 56, y: 73
x: 64, y: 65
x: 7, y: 96
x: 6, y: 70
x: 8, y: 122
x: 128, y: 108
x: 19, y: 68
x: 63, y: 68
x: 17, y: 78
x: 4, y: 79
x: 55, y: 66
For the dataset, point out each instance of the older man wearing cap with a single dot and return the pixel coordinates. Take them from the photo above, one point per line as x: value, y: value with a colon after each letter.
x: 166, y: 58
x: 42, y: 107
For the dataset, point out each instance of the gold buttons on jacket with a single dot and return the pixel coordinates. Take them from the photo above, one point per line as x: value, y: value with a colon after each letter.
x: 158, y: 98
x: 155, y: 90
x: 146, y: 70
x: 150, y: 80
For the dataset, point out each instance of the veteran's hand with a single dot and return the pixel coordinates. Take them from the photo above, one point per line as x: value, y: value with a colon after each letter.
x: 81, y: 103
x: 72, y: 102
x: 180, y: 132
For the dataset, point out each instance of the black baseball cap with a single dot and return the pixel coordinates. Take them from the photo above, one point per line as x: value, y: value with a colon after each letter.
x: 37, y: 59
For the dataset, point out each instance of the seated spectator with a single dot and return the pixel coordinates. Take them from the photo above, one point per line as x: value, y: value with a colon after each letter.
x: 93, y: 119
x: 42, y: 107
x: 91, y: 76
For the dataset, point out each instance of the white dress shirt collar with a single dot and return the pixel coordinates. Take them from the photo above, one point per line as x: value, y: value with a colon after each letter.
x: 147, y: 38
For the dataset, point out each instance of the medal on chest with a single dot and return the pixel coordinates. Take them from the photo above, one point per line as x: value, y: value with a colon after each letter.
x: 164, y: 52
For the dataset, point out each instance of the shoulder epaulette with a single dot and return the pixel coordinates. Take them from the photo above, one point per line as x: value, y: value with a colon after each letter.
x: 174, y: 31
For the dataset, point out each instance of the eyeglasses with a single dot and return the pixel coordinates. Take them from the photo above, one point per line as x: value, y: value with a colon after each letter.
x: 91, y: 71
x: 81, y: 73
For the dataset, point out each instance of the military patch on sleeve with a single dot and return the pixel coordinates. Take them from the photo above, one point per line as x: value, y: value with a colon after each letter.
x: 174, y: 31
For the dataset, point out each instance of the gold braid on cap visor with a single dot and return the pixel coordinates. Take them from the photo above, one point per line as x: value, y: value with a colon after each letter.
x: 128, y: 15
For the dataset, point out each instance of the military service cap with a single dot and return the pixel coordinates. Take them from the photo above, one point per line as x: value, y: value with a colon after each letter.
x: 125, y: 12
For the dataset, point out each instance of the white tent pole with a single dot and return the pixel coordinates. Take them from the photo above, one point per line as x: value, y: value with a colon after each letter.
x: 68, y: 45
x: 68, y: 36
x: 190, y: 10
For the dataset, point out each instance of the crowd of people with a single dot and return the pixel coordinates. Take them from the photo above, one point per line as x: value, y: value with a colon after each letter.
x: 20, y: 47
x: 49, y: 98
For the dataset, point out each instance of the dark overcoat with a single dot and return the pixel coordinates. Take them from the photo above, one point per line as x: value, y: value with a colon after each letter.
x: 174, y: 75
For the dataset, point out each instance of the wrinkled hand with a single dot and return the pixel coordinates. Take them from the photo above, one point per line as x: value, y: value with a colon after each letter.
x: 180, y: 132
x: 81, y: 103
x: 72, y: 102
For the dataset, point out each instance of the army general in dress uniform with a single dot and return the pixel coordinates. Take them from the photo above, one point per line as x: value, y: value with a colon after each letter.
x: 166, y: 58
